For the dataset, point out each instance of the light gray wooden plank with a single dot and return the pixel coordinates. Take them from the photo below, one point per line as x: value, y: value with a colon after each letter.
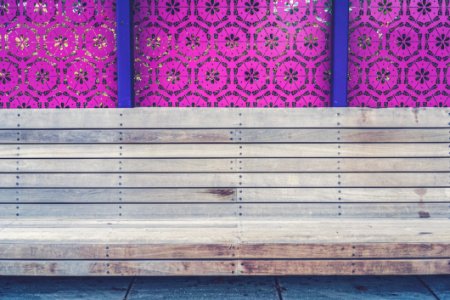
x: 346, y: 117
x: 346, y: 210
x: 118, y: 211
x: 228, y: 165
x: 119, y: 165
x: 204, y: 288
x: 217, y: 210
x: 208, y: 135
x: 62, y: 180
x: 225, y: 118
x: 224, y: 150
x: 354, y: 288
x: 341, y: 135
x: 344, y: 194
x: 117, y: 195
x: 119, y: 118
x: 118, y: 151
x: 344, y: 164
x: 224, y: 180
x: 345, y: 150
x: 205, y: 135
x: 161, y: 195
x: 439, y: 285
x: 233, y: 231
x: 13, y: 288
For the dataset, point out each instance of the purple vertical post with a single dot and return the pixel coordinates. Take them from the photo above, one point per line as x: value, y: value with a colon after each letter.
x: 125, y: 53
x: 340, y: 53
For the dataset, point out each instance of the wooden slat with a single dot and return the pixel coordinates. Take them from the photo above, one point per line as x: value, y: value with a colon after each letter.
x: 344, y: 195
x: 342, y: 267
x: 346, y: 117
x: 345, y: 164
x: 115, y: 268
x: 119, y: 165
x: 119, y: 211
x: 209, y: 151
x: 217, y: 210
x: 224, y: 180
x: 346, y: 210
x: 114, y: 195
x: 225, y: 118
x: 229, y: 250
x: 340, y: 135
x: 345, y: 150
x: 63, y: 180
x: 225, y: 231
x: 228, y: 165
x: 117, y: 136
x: 119, y: 118
x: 217, y: 267
x: 161, y: 195
x: 207, y: 135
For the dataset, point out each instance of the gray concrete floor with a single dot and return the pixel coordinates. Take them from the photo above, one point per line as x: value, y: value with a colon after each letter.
x: 199, y: 288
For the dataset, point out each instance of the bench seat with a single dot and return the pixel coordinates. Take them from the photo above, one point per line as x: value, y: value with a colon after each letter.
x: 156, y: 247
x: 224, y: 192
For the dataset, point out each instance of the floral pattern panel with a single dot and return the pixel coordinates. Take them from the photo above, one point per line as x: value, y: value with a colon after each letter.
x: 399, y: 53
x: 232, y: 53
x: 57, y: 54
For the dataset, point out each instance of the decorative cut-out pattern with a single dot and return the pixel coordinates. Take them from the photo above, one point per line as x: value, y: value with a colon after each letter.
x: 399, y: 53
x: 232, y: 53
x: 57, y: 54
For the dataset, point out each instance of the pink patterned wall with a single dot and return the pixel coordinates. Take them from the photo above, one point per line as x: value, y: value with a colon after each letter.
x: 400, y: 51
x: 57, y: 53
x: 232, y: 53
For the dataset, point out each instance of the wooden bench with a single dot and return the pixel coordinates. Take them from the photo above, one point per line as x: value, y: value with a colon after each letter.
x: 162, y: 191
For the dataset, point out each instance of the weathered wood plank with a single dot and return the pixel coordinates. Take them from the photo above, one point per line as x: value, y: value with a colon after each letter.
x: 119, y: 165
x: 231, y: 250
x: 225, y: 118
x: 345, y: 117
x: 231, y: 231
x: 42, y: 165
x: 217, y: 210
x: 118, y: 195
x: 223, y: 180
x: 341, y: 135
x: 223, y: 150
x: 119, y: 118
x: 115, y: 268
x: 217, y: 267
x: 191, y: 195
x: 208, y: 135
x: 344, y: 164
x: 117, y: 136
x: 122, y: 211
x: 342, y: 267
x: 390, y: 195
x: 346, y: 210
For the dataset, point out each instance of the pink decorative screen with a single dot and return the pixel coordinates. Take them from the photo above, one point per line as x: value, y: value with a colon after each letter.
x: 232, y: 53
x: 57, y: 53
x: 399, y: 53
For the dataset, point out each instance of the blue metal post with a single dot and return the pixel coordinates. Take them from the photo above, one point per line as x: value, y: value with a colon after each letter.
x: 125, y: 53
x: 340, y: 53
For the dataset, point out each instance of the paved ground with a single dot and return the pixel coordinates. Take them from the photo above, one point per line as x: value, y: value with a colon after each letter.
x: 433, y: 287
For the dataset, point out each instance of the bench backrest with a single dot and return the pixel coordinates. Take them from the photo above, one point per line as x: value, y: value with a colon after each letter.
x: 161, y: 163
